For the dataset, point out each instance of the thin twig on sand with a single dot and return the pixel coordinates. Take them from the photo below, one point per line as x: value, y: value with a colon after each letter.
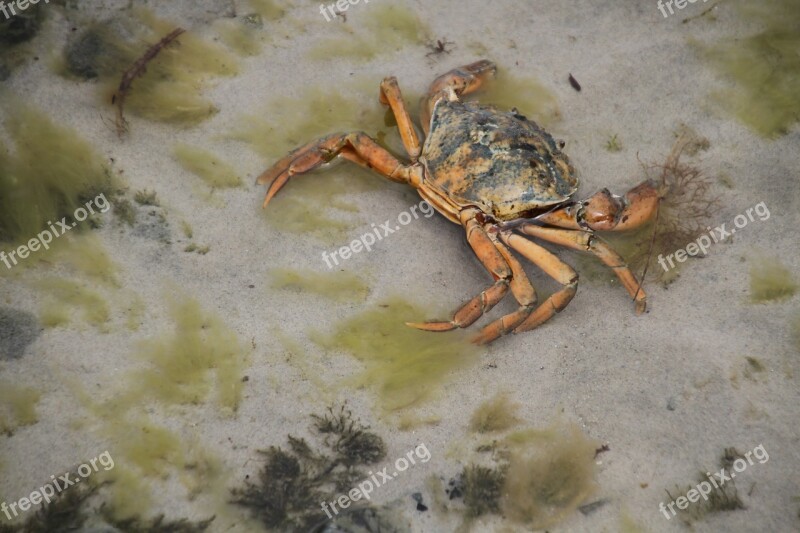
x: 137, y: 70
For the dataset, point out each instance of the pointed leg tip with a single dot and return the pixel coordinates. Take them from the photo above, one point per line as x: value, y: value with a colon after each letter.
x: 432, y: 326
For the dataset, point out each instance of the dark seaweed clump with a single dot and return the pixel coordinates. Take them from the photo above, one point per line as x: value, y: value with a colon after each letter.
x: 72, y: 510
x: 21, y: 27
x: 724, y: 498
x: 294, y: 481
x: 482, y: 488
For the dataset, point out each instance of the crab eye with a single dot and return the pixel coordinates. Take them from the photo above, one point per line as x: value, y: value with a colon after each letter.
x: 561, y: 144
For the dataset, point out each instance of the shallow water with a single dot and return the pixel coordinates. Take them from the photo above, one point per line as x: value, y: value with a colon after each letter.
x: 188, y: 354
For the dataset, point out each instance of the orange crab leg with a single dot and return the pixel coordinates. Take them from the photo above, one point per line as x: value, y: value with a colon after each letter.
x: 458, y: 82
x: 497, y: 266
x: 322, y: 151
x: 390, y: 95
x: 606, y: 212
x: 522, y: 290
x: 553, y: 267
x: 587, y: 242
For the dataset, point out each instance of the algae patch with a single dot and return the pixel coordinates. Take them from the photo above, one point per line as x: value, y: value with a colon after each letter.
x: 535, y: 477
x: 296, y: 120
x: 17, y: 407
x: 51, y: 172
x: 404, y: 365
x: 338, y: 286
x: 526, y: 94
x: 170, y: 90
x: 207, y: 166
x: 771, y: 281
x: 764, y: 66
x: 66, y: 297
x: 201, y: 355
x: 383, y: 29
x: 495, y: 414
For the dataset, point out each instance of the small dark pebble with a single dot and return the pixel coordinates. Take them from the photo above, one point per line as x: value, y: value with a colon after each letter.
x: 574, y: 83
x: 589, y: 508
x: 421, y: 507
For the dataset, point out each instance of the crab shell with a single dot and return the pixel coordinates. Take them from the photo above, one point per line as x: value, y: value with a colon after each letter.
x: 500, y: 162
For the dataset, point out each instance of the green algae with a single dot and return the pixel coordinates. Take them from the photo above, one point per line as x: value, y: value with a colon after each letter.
x: 17, y: 407
x: 550, y: 473
x: 535, y: 477
x: 288, y: 122
x: 764, y: 66
x: 382, y: 29
x: 311, y: 204
x: 404, y: 365
x: 65, y: 298
x: 182, y: 367
x: 146, y: 197
x: 268, y: 9
x: 87, y: 256
x: 495, y: 414
x: 201, y: 355
x: 240, y: 36
x: 771, y: 281
x: 170, y: 90
x: 207, y: 166
x: 526, y: 94
x: 338, y: 286
x: 50, y: 173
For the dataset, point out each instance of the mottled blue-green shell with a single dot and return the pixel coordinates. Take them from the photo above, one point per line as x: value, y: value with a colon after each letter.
x: 501, y: 162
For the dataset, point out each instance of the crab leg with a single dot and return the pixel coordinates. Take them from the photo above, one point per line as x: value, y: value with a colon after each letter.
x: 454, y: 84
x: 587, y: 242
x: 390, y: 95
x: 523, y: 292
x: 553, y: 267
x: 322, y: 151
x: 497, y: 266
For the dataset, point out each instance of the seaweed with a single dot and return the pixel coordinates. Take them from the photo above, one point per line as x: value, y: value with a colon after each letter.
x: 145, y: 197
x: 483, y: 488
x: 75, y: 510
x: 496, y: 414
x: 770, y: 281
x: 22, y: 26
x: 533, y: 477
x: 686, y: 205
x: 722, y: 498
x: 613, y: 144
x: 764, y: 67
x: 294, y: 481
x: 135, y: 71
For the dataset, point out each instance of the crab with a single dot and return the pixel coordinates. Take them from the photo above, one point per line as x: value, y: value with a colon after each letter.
x: 505, y: 180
